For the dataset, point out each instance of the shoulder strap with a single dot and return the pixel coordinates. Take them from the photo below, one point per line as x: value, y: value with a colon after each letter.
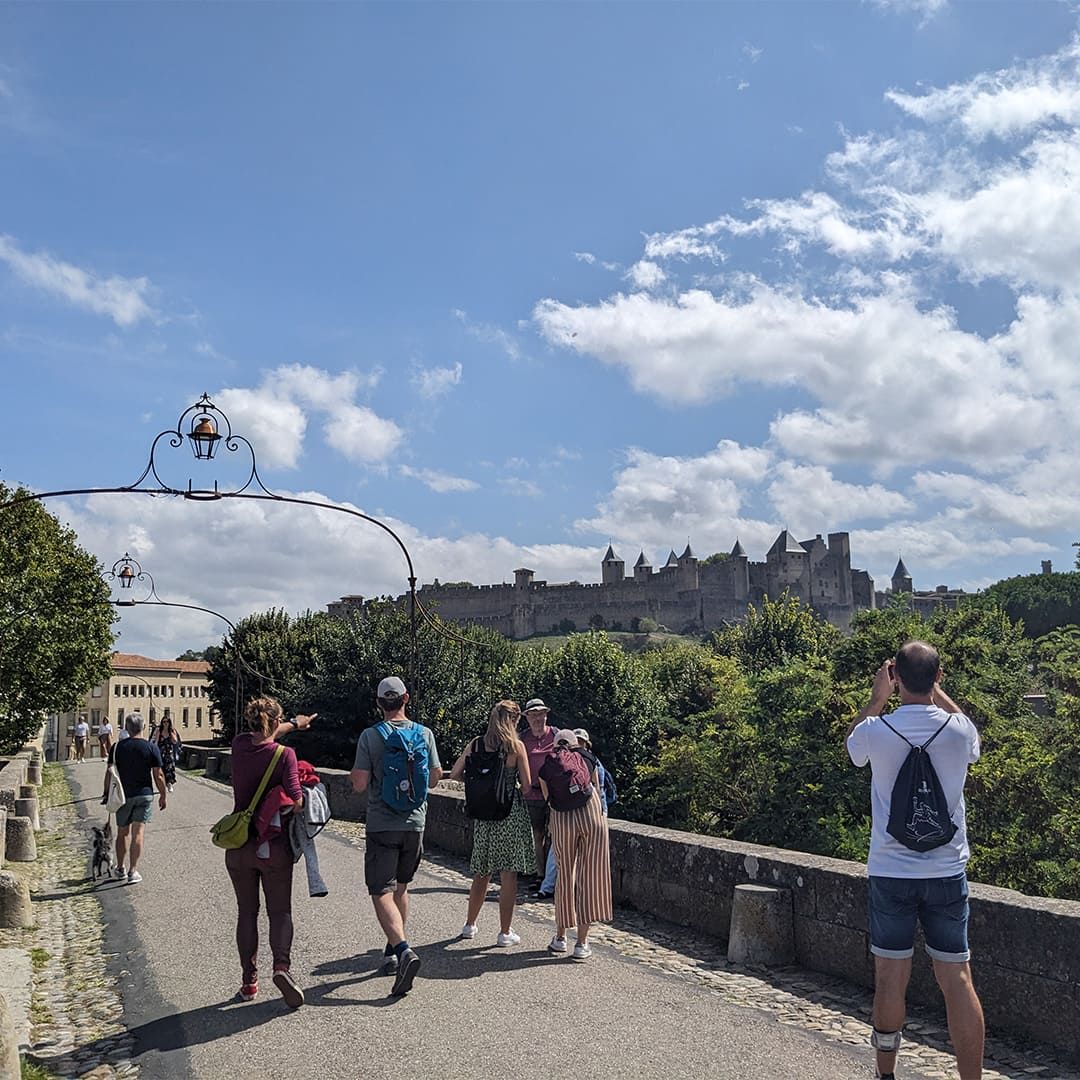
x: 278, y: 751
x: 938, y: 732
x: 895, y: 732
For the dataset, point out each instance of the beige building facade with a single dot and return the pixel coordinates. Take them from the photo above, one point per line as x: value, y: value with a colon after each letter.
x: 178, y: 689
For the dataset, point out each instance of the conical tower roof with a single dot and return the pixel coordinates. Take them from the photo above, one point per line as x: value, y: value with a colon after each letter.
x: 641, y: 560
x: 901, y: 570
x: 611, y: 556
x: 687, y: 554
x: 785, y: 542
x: 738, y: 551
x: 672, y: 559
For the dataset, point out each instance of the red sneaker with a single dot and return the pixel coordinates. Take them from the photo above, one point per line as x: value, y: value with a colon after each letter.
x: 248, y: 991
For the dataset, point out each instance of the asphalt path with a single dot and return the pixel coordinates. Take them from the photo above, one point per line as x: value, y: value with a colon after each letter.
x: 475, y: 1011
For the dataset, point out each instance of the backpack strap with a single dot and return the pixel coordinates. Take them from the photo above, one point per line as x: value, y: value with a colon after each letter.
x: 938, y: 732
x: 895, y: 732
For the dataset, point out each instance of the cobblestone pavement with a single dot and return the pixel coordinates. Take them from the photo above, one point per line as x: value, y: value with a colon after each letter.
x: 78, y: 1019
x: 835, y: 1008
x: 76, y: 1012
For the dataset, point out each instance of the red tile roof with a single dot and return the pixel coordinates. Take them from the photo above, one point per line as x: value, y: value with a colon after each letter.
x: 134, y: 662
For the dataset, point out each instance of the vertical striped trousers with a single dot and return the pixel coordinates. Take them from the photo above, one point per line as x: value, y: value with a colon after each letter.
x: 583, y: 887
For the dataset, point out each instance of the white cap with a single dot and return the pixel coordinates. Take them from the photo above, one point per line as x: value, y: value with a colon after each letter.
x: 567, y: 736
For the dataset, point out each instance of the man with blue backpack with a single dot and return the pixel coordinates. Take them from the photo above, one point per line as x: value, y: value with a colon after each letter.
x: 396, y: 764
x: 919, y: 756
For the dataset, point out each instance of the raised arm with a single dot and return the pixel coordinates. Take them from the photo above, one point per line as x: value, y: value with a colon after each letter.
x: 942, y: 700
x: 521, y: 755
x: 879, y: 697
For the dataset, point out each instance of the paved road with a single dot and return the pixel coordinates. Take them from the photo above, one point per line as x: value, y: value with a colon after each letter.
x: 475, y: 1011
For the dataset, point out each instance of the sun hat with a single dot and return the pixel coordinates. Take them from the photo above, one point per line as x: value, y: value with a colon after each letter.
x: 536, y: 703
x: 583, y: 735
x: 567, y: 736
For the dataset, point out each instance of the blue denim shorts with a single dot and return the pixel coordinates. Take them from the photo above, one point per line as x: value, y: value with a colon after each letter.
x: 136, y: 811
x: 939, y: 905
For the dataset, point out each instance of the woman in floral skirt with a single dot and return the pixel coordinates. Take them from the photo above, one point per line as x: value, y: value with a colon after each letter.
x: 504, y: 847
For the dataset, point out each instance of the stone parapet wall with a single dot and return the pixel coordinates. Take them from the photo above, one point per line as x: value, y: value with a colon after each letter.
x: 1026, y: 950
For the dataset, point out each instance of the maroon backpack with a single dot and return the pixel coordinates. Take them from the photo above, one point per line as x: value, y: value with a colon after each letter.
x: 568, y: 780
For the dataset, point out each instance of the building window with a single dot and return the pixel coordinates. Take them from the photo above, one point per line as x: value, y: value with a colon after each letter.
x: 120, y: 716
x: 185, y: 718
x: 95, y: 717
x: 96, y: 692
x: 116, y: 690
x: 198, y: 717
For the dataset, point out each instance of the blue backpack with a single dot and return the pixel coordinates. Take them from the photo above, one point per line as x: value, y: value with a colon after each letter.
x: 405, y: 767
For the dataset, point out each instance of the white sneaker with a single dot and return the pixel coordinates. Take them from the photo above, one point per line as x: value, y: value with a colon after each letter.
x: 119, y: 872
x: 134, y: 877
x: 503, y: 940
x: 557, y: 945
x: 582, y: 952
x: 468, y: 931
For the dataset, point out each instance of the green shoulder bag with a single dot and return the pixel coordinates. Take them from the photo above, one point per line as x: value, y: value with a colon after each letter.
x: 232, y: 830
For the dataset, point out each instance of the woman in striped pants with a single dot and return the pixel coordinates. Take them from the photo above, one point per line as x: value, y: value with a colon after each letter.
x: 580, y: 839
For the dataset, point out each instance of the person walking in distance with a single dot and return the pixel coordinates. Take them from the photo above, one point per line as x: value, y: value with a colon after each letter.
x: 138, y: 762
x: 105, y: 740
x: 502, y: 838
x: 82, y: 733
x: 396, y: 764
x: 539, y: 741
x: 918, y: 756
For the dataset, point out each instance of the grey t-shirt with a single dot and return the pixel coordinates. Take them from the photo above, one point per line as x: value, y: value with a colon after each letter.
x: 369, y: 756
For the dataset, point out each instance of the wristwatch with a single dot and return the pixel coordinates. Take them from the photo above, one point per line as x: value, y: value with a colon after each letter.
x: 294, y: 724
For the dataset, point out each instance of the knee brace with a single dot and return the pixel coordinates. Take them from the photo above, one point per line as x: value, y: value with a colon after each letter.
x: 887, y: 1042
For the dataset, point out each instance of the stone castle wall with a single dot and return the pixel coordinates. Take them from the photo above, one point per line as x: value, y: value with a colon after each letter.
x: 685, y: 595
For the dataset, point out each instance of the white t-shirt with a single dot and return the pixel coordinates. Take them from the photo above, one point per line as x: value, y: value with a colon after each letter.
x: 104, y: 729
x: 82, y: 729
x: 951, y: 753
x: 122, y: 735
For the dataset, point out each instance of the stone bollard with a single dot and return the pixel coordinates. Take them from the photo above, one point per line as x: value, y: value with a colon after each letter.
x: 33, y: 773
x: 3, y: 833
x: 19, y: 836
x: 9, y: 1046
x: 762, y: 926
x: 213, y: 761
x: 15, y: 910
x: 28, y: 807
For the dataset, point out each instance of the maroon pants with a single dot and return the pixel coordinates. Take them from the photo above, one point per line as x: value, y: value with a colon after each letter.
x: 275, y: 874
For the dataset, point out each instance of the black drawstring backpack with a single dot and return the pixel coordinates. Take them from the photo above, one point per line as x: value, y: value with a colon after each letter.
x: 918, y: 813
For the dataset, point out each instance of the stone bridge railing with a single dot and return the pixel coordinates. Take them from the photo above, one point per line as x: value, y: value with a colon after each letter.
x: 1026, y: 950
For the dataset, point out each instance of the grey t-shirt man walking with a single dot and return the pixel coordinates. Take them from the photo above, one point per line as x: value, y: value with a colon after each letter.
x: 394, y: 842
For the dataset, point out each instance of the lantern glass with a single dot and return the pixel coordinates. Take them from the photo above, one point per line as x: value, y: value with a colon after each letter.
x: 204, y: 437
x: 126, y: 576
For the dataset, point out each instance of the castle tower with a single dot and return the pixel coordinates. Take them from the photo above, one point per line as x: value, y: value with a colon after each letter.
x: 612, y: 569
x: 642, y: 568
x: 901, y: 579
x: 688, y: 569
x: 740, y: 571
x: 523, y: 578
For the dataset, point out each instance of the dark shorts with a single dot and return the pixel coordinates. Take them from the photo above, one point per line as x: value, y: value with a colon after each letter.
x: 538, y: 812
x: 391, y: 859
x: 939, y: 905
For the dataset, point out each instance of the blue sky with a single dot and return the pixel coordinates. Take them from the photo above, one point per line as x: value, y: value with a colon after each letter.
x: 527, y: 278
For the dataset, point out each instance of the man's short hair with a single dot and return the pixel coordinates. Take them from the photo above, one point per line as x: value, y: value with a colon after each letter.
x: 134, y: 723
x: 917, y: 665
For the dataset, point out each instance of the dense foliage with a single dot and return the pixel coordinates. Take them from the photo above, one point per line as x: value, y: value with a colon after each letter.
x: 55, y: 619
x: 741, y: 735
x: 1041, y: 601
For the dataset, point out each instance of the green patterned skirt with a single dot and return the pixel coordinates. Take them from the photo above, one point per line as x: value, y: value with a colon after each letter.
x: 504, y: 845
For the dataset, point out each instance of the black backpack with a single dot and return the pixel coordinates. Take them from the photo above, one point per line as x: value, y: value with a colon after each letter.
x: 918, y: 813
x: 488, y: 794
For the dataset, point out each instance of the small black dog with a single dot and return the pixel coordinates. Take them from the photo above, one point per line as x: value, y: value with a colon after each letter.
x: 103, y: 859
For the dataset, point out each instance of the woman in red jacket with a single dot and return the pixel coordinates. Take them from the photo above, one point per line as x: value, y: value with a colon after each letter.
x: 252, y: 752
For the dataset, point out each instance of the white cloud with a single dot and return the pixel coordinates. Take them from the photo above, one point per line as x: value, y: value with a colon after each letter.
x: 491, y: 335
x: 124, y: 300
x: 585, y: 257
x: 926, y: 8
x: 238, y: 557
x: 696, y: 242
x: 1007, y: 102
x: 658, y: 499
x: 646, y: 275
x: 807, y: 495
x: 519, y: 486
x: 752, y: 52
x: 272, y: 416
x: 439, y: 482
x: 435, y: 382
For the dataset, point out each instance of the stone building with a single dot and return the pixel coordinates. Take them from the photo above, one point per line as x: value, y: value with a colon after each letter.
x: 685, y: 594
x: 178, y: 689
x: 925, y: 602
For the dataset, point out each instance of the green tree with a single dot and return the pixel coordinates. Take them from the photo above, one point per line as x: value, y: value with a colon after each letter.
x: 1041, y: 601
x: 55, y: 619
x: 778, y: 631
